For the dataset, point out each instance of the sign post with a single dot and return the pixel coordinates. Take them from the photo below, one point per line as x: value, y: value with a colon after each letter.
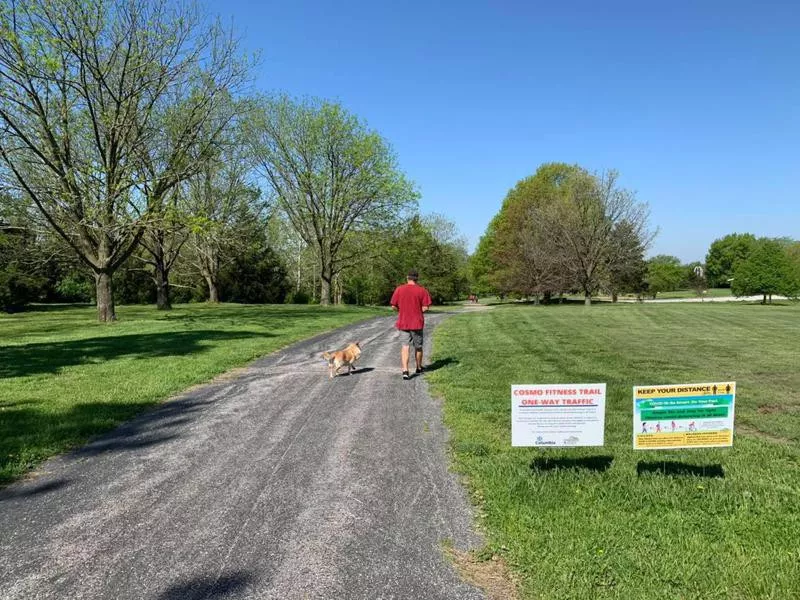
x: 695, y: 415
x: 558, y: 414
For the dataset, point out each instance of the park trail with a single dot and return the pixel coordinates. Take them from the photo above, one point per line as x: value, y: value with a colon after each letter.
x: 275, y: 483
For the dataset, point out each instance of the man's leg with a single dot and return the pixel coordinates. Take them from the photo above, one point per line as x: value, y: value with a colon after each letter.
x: 418, y: 356
x: 404, y: 358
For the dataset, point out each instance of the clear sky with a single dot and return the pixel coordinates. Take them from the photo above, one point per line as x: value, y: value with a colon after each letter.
x: 696, y: 103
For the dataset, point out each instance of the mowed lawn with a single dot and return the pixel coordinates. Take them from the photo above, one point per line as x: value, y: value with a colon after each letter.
x: 610, y: 522
x: 65, y: 377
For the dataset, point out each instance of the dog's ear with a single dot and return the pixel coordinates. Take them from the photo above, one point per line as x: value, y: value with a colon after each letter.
x: 359, y: 345
x: 326, y: 355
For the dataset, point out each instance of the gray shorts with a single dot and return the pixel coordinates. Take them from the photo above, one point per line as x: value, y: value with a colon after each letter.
x: 412, y: 337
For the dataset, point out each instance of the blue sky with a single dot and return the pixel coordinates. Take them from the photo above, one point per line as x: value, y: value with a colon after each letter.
x: 697, y: 104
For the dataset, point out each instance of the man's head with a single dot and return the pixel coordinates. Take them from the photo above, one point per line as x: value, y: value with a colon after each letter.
x: 413, y: 275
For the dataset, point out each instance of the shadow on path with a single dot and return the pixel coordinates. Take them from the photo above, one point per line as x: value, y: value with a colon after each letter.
x: 208, y: 587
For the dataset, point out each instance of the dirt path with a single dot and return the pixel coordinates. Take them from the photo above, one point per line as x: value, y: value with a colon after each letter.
x: 277, y: 483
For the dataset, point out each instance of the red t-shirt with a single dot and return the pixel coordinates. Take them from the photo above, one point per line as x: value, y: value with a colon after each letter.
x: 409, y: 300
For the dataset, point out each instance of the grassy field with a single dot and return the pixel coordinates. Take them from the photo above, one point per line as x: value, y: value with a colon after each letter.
x: 610, y: 522
x: 65, y: 378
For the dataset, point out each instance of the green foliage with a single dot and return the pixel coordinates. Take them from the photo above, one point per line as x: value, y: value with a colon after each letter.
x: 566, y: 229
x: 724, y: 255
x: 331, y: 175
x: 482, y: 265
x: 256, y: 276
x: 767, y: 270
x: 664, y: 274
x: 793, y: 254
x: 75, y: 287
x: 429, y: 244
x: 20, y: 282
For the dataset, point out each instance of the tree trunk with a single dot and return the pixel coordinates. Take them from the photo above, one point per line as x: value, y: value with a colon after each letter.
x: 587, y: 299
x: 105, y: 298
x: 326, y: 278
x: 324, y: 291
x: 536, y: 300
x: 614, y: 296
x: 764, y: 300
x: 213, y: 292
x: 162, y: 288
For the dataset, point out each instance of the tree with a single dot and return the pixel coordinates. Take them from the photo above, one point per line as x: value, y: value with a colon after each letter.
x: 724, y: 255
x: 526, y: 258
x: 331, y: 176
x: 664, y: 274
x: 625, y: 265
x: 582, y: 226
x: 221, y: 201
x: 793, y: 254
x: 767, y: 270
x: 87, y: 90
x: 695, y: 277
x: 482, y: 264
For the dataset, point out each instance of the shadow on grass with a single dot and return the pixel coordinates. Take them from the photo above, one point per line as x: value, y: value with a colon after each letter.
x: 440, y: 363
x: 34, y: 433
x: 50, y: 357
x: 680, y: 469
x: 209, y: 587
x: 597, y: 464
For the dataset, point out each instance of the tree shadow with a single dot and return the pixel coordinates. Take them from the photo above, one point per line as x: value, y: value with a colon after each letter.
x: 440, y: 363
x: 679, y: 469
x: 51, y: 357
x: 28, y: 489
x: 597, y: 464
x: 209, y: 587
x: 107, y: 428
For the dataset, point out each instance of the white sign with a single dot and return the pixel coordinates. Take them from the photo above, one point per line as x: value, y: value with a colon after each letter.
x: 571, y: 414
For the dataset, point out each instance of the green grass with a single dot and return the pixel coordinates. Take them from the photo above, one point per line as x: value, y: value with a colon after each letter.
x: 65, y: 378
x: 610, y: 522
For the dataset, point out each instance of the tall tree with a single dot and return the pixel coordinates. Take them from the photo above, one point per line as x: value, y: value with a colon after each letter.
x: 626, y: 267
x: 583, y: 224
x: 528, y: 260
x: 85, y: 91
x: 767, y: 270
x: 664, y: 274
x: 331, y: 176
x: 221, y: 200
x: 725, y: 254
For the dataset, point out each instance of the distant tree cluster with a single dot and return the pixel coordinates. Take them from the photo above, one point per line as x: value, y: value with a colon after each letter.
x: 564, y: 229
x: 755, y: 266
x: 739, y: 261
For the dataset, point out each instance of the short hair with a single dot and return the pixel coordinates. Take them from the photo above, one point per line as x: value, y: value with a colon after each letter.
x: 413, y: 275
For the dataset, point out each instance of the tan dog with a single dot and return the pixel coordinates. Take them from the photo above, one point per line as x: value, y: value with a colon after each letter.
x: 339, y: 358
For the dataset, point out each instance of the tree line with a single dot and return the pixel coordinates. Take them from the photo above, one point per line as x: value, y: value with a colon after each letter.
x: 740, y: 261
x: 133, y: 155
x: 565, y: 230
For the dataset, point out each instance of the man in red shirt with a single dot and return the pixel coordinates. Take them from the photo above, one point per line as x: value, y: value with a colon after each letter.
x: 410, y: 301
